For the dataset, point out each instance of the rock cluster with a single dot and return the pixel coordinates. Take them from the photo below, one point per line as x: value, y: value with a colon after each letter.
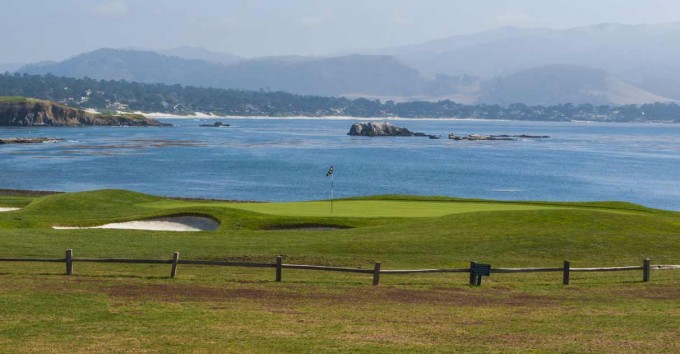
x: 387, y: 129
x: 29, y: 140
x: 378, y: 129
x: 215, y: 125
x: 496, y: 137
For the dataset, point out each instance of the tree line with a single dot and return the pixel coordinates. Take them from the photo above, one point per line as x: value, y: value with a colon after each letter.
x: 178, y: 99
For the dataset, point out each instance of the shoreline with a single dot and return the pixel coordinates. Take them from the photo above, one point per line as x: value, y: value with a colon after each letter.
x: 360, y: 119
x: 39, y: 193
x: 210, y: 115
x: 202, y: 116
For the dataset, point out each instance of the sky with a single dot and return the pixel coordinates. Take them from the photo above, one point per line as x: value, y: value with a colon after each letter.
x: 37, y: 30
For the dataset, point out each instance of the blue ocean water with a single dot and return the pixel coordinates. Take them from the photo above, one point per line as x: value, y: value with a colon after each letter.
x: 287, y: 159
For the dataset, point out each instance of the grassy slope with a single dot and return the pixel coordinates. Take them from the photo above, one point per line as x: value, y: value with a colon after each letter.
x: 443, y: 231
x: 108, y: 307
x: 20, y: 99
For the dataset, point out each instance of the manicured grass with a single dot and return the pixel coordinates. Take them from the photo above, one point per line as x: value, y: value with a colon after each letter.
x: 116, y: 307
x: 377, y: 208
x: 507, y: 234
x: 14, y: 201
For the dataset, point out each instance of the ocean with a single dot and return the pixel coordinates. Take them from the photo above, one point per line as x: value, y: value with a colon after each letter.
x: 287, y: 159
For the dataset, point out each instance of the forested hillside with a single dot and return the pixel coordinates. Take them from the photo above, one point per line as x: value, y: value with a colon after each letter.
x: 178, y: 99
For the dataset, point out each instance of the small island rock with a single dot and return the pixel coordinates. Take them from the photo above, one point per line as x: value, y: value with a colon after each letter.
x: 28, y: 140
x: 473, y: 137
x: 378, y: 129
x: 215, y: 125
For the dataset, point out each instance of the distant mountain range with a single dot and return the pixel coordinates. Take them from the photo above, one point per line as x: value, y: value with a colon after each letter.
x: 197, y: 53
x: 561, y: 83
x: 601, y: 64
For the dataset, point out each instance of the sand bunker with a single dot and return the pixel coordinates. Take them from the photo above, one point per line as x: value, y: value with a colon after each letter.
x: 8, y: 209
x: 175, y: 223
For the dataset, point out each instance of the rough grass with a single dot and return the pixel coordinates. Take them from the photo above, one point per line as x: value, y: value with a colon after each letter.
x: 121, y: 308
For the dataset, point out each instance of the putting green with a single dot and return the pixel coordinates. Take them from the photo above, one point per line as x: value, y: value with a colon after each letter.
x: 370, y: 208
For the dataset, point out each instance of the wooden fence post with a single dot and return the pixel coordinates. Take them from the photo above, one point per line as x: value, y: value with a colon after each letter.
x: 175, y: 259
x: 376, y: 274
x: 472, y: 276
x: 279, y: 267
x: 565, y: 273
x: 69, y: 261
x: 646, y: 269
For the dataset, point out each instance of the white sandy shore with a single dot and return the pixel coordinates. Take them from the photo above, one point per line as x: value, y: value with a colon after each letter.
x: 200, y: 115
x: 179, y: 223
x: 8, y: 209
x: 210, y: 115
x: 197, y: 115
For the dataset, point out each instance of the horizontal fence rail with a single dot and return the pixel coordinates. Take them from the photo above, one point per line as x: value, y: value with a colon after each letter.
x: 607, y: 269
x: 663, y: 267
x: 566, y: 268
x: 54, y: 260
x: 411, y: 271
x: 330, y: 269
x: 122, y: 260
x: 227, y: 264
x: 525, y: 270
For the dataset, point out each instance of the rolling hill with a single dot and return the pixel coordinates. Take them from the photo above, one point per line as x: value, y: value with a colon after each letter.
x: 555, y: 84
x: 348, y: 75
x: 642, y: 55
x: 600, y: 64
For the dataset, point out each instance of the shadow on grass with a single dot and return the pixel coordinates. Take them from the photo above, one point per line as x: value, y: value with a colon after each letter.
x: 109, y: 276
x: 125, y: 276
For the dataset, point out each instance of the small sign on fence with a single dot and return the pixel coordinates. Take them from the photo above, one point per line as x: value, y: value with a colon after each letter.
x: 477, y: 270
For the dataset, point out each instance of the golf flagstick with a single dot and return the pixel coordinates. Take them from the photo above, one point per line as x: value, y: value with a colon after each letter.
x: 330, y: 173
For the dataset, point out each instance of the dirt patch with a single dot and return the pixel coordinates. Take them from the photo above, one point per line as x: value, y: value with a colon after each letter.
x: 464, y: 297
x: 184, y: 293
x: 454, y: 297
x: 658, y: 292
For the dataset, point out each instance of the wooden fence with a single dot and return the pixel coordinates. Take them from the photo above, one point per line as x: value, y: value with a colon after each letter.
x: 566, y: 268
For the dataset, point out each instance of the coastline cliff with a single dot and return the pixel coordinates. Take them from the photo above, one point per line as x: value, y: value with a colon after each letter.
x: 21, y: 111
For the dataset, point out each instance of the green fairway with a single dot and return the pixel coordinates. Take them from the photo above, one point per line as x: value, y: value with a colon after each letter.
x: 413, y: 208
x: 118, y: 307
x: 379, y: 208
x: 399, y: 230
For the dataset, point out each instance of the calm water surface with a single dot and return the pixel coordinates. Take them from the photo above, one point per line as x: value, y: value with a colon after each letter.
x: 286, y: 160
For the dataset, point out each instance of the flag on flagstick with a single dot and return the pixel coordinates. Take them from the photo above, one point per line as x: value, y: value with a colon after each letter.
x: 330, y: 173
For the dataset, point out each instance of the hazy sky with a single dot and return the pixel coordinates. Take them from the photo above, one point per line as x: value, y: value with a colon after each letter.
x: 34, y: 30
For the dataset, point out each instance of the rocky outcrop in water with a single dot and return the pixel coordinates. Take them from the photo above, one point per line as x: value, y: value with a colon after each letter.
x: 19, y: 111
x: 215, y: 125
x: 29, y: 140
x: 378, y: 129
x: 496, y: 137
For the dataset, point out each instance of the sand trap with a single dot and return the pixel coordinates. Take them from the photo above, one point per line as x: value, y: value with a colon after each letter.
x: 8, y: 209
x: 176, y: 223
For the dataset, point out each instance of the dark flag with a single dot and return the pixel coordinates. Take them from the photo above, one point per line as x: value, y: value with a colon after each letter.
x: 330, y: 172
